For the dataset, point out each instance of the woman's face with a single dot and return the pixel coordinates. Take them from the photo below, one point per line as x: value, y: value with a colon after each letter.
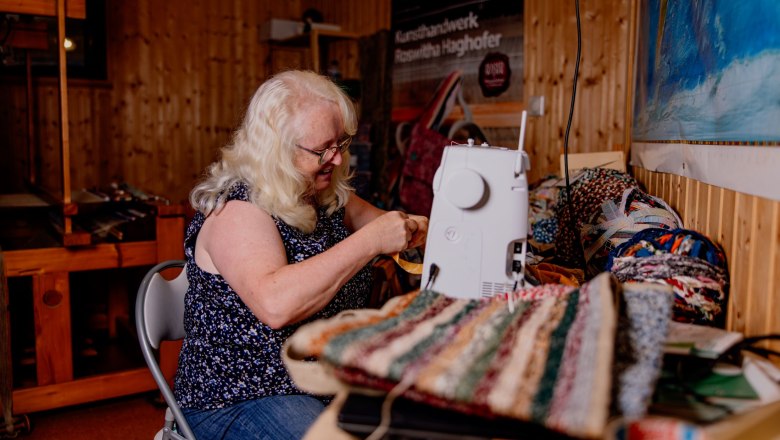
x: 321, y: 128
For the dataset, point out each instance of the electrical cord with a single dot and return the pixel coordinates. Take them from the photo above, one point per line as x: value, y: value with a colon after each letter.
x: 572, y: 223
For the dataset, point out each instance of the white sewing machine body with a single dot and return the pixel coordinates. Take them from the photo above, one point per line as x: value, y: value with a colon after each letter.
x: 479, y: 221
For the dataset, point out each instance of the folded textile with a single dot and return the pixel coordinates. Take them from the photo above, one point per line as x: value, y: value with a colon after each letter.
x: 590, y: 188
x: 700, y: 288
x: 679, y: 241
x: 548, y: 360
x: 692, y: 264
x: 619, y: 220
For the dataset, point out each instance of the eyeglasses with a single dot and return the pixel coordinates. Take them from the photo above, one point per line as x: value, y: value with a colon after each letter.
x: 327, y: 154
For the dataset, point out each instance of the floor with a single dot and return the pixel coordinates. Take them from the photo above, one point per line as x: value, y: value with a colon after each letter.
x: 136, y: 417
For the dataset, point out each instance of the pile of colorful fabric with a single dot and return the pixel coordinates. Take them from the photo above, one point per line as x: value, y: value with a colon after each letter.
x: 590, y: 188
x: 611, y: 224
x: 693, y: 265
x: 554, y: 357
x: 542, y: 198
x: 618, y: 220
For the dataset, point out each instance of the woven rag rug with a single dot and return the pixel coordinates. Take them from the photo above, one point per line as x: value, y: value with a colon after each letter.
x: 547, y: 359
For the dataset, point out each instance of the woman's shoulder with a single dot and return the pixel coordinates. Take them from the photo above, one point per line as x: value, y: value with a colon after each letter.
x: 238, y: 191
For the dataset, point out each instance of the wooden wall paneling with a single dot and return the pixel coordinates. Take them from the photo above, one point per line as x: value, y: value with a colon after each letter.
x: 642, y: 177
x: 131, y: 85
x: 89, y: 109
x: 715, y: 218
x: 762, y: 318
x: 205, y: 147
x: 212, y: 79
x: 705, y: 209
x: 249, y: 61
x: 13, y: 136
x: 191, y: 150
x: 358, y: 16
x: 727, y: 238
x: 49, y: 167
x: 120, y: 37
x: 538, y: 31
x: 741, y: 258
x: 590, y: 76
x: 684, y: 201
x: 165, y: 139
x: 667, y: 191
x: 691, y: 204
x: 679, y: 195
x: 598, y: 123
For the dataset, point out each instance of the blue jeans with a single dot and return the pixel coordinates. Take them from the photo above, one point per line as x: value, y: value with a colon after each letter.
x: 274, y: 417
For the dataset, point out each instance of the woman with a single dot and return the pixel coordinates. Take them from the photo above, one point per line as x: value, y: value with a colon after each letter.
x: 279, y: 239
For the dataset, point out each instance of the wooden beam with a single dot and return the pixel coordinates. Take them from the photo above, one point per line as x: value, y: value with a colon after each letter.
x: 76, y: 8
x: 497, y: 115
x: 104, y: 256
x: 28, y: 400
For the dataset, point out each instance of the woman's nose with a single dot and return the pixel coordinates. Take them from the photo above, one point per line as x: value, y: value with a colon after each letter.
x: 337, y: 158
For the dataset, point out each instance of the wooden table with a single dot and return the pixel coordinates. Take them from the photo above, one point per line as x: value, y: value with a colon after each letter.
x: 49, y: 269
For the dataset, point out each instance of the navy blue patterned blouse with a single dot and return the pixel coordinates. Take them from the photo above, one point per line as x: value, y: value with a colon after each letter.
x: 228, y: 354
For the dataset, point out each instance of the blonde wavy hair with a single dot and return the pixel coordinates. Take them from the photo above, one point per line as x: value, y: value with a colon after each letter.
x: 262, y: 153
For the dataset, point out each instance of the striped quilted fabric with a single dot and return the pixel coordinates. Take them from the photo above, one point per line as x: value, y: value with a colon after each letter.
x: 549, y: 360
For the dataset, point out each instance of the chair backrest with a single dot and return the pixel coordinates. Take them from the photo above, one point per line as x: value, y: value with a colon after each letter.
x: 159, y: 316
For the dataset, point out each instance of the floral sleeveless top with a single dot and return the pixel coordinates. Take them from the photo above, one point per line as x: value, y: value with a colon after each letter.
x: 229, y: 355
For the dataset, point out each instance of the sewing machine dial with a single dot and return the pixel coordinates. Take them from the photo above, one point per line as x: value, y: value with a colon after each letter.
x: 465, y: 188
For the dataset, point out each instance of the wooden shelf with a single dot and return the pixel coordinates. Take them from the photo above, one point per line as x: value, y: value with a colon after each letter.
x: 75, y: 9
x: 314, y: 40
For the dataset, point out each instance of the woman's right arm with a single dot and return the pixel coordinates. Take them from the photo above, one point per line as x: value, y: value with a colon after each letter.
x: 241, y: 242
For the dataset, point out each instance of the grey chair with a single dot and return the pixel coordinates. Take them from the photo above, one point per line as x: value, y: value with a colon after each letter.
x: 159, y: 316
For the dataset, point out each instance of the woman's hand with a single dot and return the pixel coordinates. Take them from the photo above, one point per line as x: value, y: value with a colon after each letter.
x: 392, y: 232
x: 421, y: 233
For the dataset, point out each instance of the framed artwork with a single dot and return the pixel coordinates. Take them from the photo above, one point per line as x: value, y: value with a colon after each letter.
x: 707, y: 92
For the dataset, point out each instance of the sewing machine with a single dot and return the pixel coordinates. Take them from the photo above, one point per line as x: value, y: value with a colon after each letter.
x: 479, y: 221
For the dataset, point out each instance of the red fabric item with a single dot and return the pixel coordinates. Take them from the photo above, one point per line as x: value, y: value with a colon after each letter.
x: 423, y: 157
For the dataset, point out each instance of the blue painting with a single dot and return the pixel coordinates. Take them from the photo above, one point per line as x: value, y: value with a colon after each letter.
x: 708, y: 71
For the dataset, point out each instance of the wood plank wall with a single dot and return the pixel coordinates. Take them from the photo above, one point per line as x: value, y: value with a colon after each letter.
x: 180, y: 76
x: 598, y: 122
x: 748, y: 228
x: 182, y: 72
